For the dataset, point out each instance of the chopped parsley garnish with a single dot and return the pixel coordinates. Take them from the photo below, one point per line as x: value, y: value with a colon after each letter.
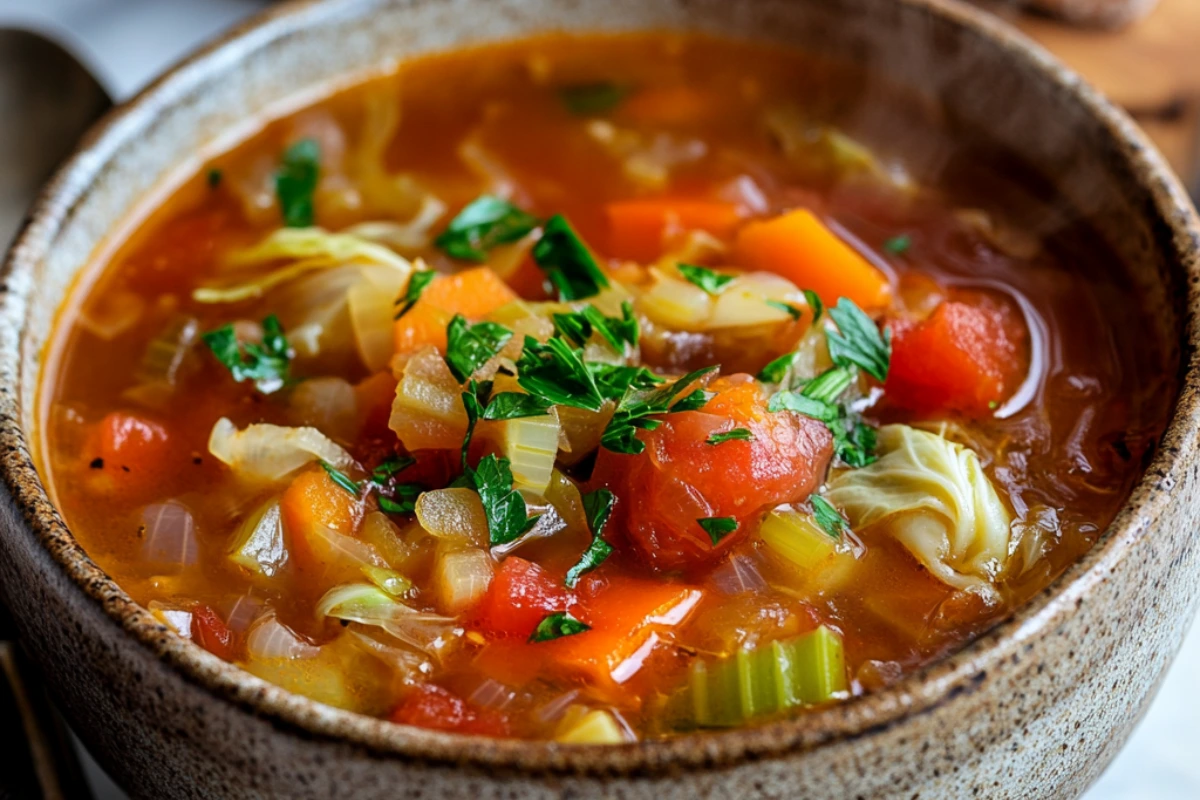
x: 266, y: 364
x: 390, y: 466
x: 898, y: 245
x: 578, y: 326
x: 567, y: 262
x: 735, y: 435
x: 474, y: 399
x: 469, y: 347
x: 786, y: 308
x: 814, y: 302
x: 828, y: 517
x: 555, y: 372
x: 214, y: 178
x: 598, y: 506
x: 296, y: 182
x: 829, y: 385
x: 402, y: 498
x: 853, y: 441
x: 710, y: 281
x: 592, y: 99
x: 417, y: 283
x: 718, y: 528
x: 614, y: 380
x: 507, y: 516
x: 483, y: 223
x: 857, y: 447
x: 515, y: 405
x: 638, y: 407
x: 776, y: 370
x: 556, y: 626
x: 857, y: 340
x: 340, y: 478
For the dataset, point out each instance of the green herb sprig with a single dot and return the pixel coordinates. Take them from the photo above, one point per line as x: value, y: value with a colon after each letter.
x: 265, y: 364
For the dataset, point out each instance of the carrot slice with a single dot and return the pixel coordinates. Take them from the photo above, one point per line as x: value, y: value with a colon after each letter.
x: 637, y: 227
x: 799, y: 247
x: 320, y: 519
x: 473, y: 293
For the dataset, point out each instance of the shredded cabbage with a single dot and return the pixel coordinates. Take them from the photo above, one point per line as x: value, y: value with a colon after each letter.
x: 416, y: 234
x: 937, y: 502
x: 369, y: 605
x: 271, y: 452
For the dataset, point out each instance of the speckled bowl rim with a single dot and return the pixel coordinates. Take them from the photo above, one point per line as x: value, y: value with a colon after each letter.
x: 916, y: 694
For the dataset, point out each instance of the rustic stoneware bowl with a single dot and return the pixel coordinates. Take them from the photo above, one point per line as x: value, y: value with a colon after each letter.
x: 1037, y: 707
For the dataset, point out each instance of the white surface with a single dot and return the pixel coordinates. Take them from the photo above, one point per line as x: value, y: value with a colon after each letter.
x: 127, y: 42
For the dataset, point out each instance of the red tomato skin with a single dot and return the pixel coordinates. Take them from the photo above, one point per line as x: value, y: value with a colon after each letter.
x: 430, y: 706
x: 967, y: 357
x: 681, y: 478
x: 132, y: 448
x: 520, y: 596
x: 210, y: 632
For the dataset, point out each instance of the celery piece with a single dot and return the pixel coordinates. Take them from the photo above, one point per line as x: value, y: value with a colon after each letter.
x: 796, y: 537
x: 775, y: 677
x: 531, y: 445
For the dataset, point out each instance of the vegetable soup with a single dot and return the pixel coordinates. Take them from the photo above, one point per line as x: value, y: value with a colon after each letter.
x: 597, y: 389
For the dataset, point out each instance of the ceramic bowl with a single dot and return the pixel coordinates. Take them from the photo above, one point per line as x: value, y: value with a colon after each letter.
x: 1036, y: 707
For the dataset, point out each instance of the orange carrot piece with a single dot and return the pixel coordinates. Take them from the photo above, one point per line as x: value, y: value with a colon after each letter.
x: 637, y: 227
x: 374, y: 396
x: 320, y: 519
x: 472, y: 293
x: 799, y: 247
x: 671, y: 105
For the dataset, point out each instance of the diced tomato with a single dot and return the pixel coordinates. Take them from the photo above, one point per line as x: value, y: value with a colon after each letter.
x: 968, y: 356
x: 520, y: 596
x: 133, y: 448
x: 681, y: 478
x: 430, y: 706
x: 210, y: 632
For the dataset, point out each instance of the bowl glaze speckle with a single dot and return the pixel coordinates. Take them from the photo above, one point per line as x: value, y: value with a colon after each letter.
x: 1035, y: 708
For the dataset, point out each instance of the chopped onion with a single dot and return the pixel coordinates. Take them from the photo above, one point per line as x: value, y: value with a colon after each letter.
x: 371, y: 304
x: 112, y: 314
x: 170, y: 536
x: 738, y: 575
x: 326, y: 403
x: 461, y: 578
x: 554, y: 709
x: 271, y: 639
x: 175, y: 618
x: 491, y: 693
x: 244, y: 611
x: 369, y: 605
x: 428, y: 411
x: 259, y: 544
x: 453, y: 515
x: 407, y: 662
x: 271, y: 452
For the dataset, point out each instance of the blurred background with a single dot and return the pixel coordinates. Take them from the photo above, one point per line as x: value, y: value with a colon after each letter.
x: 1140, y: 52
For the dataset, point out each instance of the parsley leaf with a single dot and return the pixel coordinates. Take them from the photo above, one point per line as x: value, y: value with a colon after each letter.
x: 737, y: 434
x: 598, y: 506
x: 469, y: 347
x: 776, y: 370
x: 712, y: 282
x: 578, y: 326
x: 614, y: 380
x: 829, y: 385
x: 474, y: 407
x: 636, y: 408
x: 556, y: 373
x: 592, y: 99
x: 857, y: 340
x: 828, y: 517
x: 515, y: 405
x: 853, y: 441
x: 401, y: 498
x: 416, y: 287
x: 814, y: 302
x: 340, y: 478
x: 567, y: 262
x: 483, y: 223
x: 718, y: 528
x: 296, y: 182
x: 857, y: 447
x: 390, y: 466
x: 787, y: 308
x: 507, y: 516
x: 266, y: 364
x: 898, y: 245
x: 556, y: 626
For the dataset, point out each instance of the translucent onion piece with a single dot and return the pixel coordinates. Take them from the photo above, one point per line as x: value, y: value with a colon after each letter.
x: 112, y: 314
x: 461, y: 578
x: 369, y: 605
x: 259, y: 544
x: 169, y: 530
x: 416, y: 234
x: 371, y: 305
x: 166, y: 353
x: 272, y: 452
x: 491, y: 693
x: 326, y: 403
x: 175, y: 618
x: 428, y: 410
x: 531, y: 445
x: 243, y: 612
x: 554, y: 710
x: 453, y: 515
x: 271, y: 639
x: 738, y: 575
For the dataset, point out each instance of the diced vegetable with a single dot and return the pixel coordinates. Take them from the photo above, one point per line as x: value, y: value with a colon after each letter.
x: 581, y: 725
x: 259, y: 544
x: 796, y: 537
x: 389, y: 580
x: 320, y: 519
x: 271, y: 452
x: 520, y: 596
x: 210, y: 632
x: 461, y: 579
x: 455, y: 516
x: 134, y: 449
x: 428, y: 412
x: 473, y: 293
x: 370, y: 303
x: 369, y: 605
x: 430, y: 706
x: 932, y: 496
x: 531, y: 446
x: 328, y: 404
x: 637, y: 227
x: 169, y: 537
x: 799, y: 247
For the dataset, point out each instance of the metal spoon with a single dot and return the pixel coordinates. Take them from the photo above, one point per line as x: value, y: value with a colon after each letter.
x: 47, y: 100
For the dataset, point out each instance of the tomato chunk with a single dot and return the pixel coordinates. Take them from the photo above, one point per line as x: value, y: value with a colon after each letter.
x: 210, y: 632
x: 681, y: 478
x: 520, y: 596
x: 133, y: 448
x: 430, y: 706
x: 968, y: 356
